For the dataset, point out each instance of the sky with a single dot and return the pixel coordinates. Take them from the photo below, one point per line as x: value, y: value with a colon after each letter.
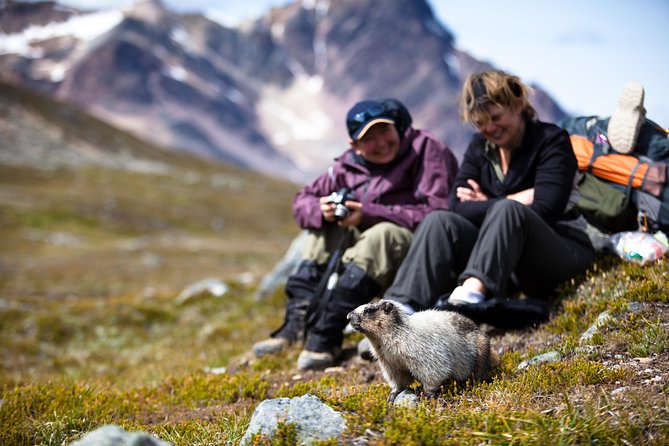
x: 582, y: 52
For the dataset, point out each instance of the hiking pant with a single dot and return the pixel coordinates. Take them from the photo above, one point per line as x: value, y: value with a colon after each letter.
x: 378, y: 250
x: 369, y: 263
x: 513, y: 246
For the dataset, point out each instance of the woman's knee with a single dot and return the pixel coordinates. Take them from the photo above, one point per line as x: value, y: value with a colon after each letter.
x: 507, y: 206
x: 508, y: 210
x: 385, y: 232
x: 380, y: 250
x: 444, y: 224
x: 440, y: 219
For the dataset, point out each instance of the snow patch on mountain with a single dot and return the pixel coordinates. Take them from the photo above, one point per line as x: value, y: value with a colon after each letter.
x: 295, y: 112
x: 84, y: 27
x: 57, y: 72
x: 176, y: 72
x: 180, y: 35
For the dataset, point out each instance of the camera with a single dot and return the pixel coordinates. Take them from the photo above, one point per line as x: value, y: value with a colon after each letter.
x: 338, y: 199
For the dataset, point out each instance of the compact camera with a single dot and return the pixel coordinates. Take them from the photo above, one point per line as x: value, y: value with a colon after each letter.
x: 338, y: 199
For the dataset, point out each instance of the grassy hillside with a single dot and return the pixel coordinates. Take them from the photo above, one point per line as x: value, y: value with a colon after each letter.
x: 142, y: 361
x: 33, y: 121
x: 86, y: 208
x: 92, y: 261
x: 99, y: 231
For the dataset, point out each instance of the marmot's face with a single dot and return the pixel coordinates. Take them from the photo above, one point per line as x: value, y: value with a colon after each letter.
x: 375, y: 317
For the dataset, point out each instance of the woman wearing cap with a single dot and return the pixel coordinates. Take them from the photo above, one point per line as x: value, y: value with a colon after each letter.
x: 512, y: 223
x: 397, y: 175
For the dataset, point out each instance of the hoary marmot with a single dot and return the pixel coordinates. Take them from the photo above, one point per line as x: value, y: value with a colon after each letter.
x: 429, y: 346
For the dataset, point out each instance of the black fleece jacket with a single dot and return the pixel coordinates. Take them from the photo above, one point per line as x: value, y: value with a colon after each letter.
x: 545, y: 161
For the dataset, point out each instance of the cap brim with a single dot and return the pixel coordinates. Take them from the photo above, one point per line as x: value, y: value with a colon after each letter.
x: 360, y: 133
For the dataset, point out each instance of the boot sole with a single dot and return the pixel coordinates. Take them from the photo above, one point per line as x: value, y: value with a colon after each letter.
x: 624, y: 125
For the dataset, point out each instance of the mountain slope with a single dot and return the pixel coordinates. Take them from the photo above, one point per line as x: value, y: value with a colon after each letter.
x: 269, y: 95
x: 82, y: 203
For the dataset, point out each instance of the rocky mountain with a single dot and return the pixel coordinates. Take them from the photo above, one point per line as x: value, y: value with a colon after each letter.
x: 269, y: 95
x: 47, y: 134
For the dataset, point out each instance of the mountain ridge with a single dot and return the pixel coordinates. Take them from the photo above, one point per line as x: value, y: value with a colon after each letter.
x: 269, y: 95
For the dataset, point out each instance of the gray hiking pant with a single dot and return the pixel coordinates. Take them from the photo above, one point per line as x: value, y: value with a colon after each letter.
x: 513, y: 246
x: 378, y: 251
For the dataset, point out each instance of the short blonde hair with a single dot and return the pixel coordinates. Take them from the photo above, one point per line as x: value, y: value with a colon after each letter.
x: 493, y: 87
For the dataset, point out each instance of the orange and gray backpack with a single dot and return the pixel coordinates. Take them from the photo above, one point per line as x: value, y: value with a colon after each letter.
x: 621, y: 192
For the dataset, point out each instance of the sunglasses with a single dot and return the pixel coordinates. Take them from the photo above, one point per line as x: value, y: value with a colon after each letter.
x: 360, y: 118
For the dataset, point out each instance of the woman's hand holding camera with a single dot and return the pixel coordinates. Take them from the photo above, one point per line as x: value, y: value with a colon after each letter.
x: 354, y: 214
x: 352, y: 218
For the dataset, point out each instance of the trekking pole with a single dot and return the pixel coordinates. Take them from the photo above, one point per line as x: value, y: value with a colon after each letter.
x: 326, y: 286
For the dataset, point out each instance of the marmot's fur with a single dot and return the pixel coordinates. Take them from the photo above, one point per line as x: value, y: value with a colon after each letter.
x: 430, y: 346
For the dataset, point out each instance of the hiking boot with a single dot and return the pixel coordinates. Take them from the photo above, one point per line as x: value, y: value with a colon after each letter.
x: 270, y: 346
x: 300, y: 289
x: 625, y: 122
x: 354, y: 288
x: 310, y: 360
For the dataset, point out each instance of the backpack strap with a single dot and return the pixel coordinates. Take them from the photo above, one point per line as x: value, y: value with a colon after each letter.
x: 593, y: 157
x: 630, y: 181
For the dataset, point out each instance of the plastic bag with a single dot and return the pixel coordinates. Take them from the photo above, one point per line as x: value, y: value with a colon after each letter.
x: 639, y: 247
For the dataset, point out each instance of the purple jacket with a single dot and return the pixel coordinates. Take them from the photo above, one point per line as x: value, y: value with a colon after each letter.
x: 402, y: 192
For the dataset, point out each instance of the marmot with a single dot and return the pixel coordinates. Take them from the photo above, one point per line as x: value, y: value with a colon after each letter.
x: 430, y: 346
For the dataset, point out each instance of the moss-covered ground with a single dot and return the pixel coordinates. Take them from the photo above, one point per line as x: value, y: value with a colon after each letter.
x: 91, y: 332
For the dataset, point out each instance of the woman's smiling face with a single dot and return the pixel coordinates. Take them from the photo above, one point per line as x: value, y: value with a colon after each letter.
x: 379, y: 145
x: 503, y: 126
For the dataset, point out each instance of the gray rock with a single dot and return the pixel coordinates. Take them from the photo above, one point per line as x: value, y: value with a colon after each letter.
x: 284, y: 268
x: 606, y: 317
x: 111, y: 435
x: 213, y: 287
x: 406, y: 398
x: 215, y: 370
x: 603, y: 319
x: 540, y: 359
x: 313, y: 419
x: 620, y: 391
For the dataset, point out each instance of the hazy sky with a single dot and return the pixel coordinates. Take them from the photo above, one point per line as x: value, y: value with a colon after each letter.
x: 581, y: 51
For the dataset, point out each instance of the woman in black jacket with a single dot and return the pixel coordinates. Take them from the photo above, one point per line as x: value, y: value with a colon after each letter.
x: 512, y: 224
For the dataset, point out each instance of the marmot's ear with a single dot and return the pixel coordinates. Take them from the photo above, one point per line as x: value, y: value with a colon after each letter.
x: 386, y: 306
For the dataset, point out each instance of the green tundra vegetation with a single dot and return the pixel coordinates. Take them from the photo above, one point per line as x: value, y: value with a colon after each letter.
x: 91, y: 331
x: 92, y: 260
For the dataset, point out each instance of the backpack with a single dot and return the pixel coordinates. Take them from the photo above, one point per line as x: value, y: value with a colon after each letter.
x: 621, y: 192
x: 605, y: 207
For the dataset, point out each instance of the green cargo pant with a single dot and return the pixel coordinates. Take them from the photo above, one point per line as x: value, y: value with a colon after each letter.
x: 378, y: 251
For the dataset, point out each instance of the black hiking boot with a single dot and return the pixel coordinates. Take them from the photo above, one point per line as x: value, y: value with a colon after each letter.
x: 325, y: 337
x: 300, y: 289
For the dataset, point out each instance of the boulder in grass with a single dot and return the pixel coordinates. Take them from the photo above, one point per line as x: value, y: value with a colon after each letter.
x: 111, y: 435
x: 314, y: 420
x: 212, y: 287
